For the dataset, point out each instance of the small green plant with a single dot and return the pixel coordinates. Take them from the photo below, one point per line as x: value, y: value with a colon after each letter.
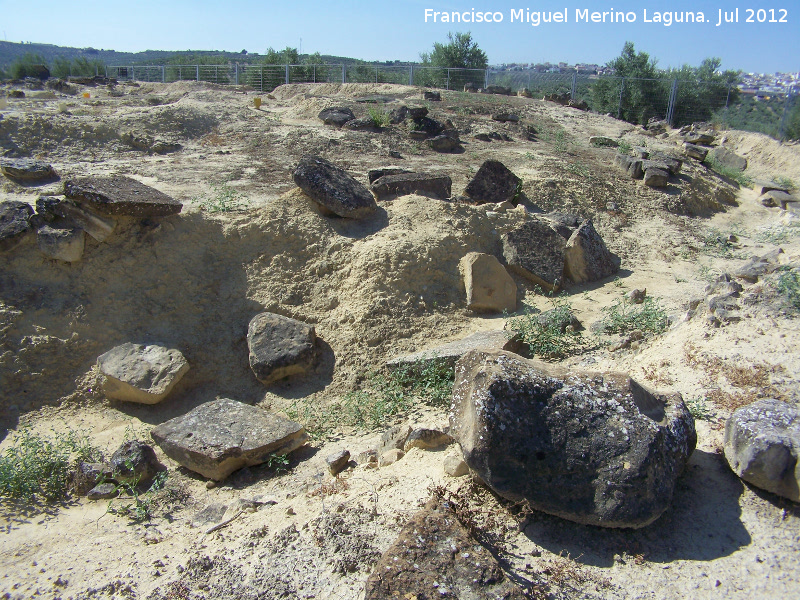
x: 729, y: 172
x: 517, y: 192
x: 549, y: 335
x: 37, y: 468
x: 784, y: 182
x: 561, y: 142
x: 623, y: 317
x: 789, y: 286
x: 379, y: 118
x: 700, y: 410
x: 624, y: 147
x: 225, y: 199
x: 719, y: 244
x: 136, y: 505
x: 278, y: 462
x: 580, y: 169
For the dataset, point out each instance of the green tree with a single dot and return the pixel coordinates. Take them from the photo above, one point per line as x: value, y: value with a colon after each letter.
x: 461, y: 52
x: 635, y: 81
x: 29, y: 65
x: 702, y: 90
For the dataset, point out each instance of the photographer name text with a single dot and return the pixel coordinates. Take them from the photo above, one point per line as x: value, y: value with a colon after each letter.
x: 585, y: 15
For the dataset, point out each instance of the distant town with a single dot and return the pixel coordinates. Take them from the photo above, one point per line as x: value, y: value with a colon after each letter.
x: 760, y: 85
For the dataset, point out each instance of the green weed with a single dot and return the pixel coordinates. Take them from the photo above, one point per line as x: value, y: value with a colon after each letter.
x: 789, y: 286
x: 700, y: 410
x: 548, y: 335
x: 224, y: 199
x: 624, y: 147
x: 580, y: 169
x: 623, y: 317
x: 37, y: 468
x: 785, y: 182
x: 719, y: 244
x: 278, y: 462
x: 137, y: 506
x: 379, y: 118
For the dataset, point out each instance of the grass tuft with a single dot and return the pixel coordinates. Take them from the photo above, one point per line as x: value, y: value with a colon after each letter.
x: 728, y: 172
x: 379, y: 118
x: 623, y: 316
x: 550, y: 338
x: 224, y: 199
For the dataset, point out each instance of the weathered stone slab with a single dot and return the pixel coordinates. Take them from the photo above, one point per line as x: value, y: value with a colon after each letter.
x: 435, y: 557
x: 537, y: 252
x: 777, y: 198
x: 698, y: 137
x: 219, y: 437
x: 121, y: 196
x: 62, y: 243
x: 505, y: 117
x: 444, y: 143
x: 493, y: 182
x: 14, y: 223
x: 141, y: 373
x: 695, y: 151
x: 668, y: 162
x: 762, y: 446
x: 375, y: 174
x: 488, y: 285
x: 593, y: 448
x: 603, y: 141
x: 333, y: 189
x: 587, y: 257
x: 426, y: 439
x: 362, y: 124
x: 728, y: 158
x: 27, y: 170
x: 401, y: 184
x: 95, y: 225
x: 336, y: 115
x: 450, y: 353
x: 656, y: 177
x: 280, y: 347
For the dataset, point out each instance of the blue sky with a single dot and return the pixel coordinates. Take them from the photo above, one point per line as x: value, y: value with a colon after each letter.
x: 381, y: 30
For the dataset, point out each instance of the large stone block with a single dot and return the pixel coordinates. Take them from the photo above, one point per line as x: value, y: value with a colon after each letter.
x: 593, y: 448
x: 587, y: 257
x: 14, y: 223
x: 280, y: 347
x: 219, y: 437
x: 400, y: 184
x: 493, y: 182
x: 333, y: 189
x: 536, y: 251
x: 488, y: 285
x: 141, y: 373
x: 121, y: 196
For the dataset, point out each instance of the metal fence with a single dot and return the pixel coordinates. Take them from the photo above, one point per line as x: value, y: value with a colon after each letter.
x: 634, y: 100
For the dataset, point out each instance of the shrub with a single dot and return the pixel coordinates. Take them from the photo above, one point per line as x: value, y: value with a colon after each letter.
x: 623, y: 317
x: 552, y: 337
x: 36, y: 467
x: 789, y: 287
x: 379, y: 118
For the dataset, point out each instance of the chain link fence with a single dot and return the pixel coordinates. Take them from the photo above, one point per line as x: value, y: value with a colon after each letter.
x: 634, y: 100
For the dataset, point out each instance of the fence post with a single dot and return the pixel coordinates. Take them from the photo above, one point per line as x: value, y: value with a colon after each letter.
x: 236, y: 71
x: 411, y: 75
x: 782, y: 125
x: 485, y: 78
x: 198, y: 72
x: 163, y: 74
x: 344, y: 74
x: 447, y: 86
x: 673, y: 98
x: 574, y: 85
x: 315, y: 73
x: 621, y: 92
x: 133, y: 73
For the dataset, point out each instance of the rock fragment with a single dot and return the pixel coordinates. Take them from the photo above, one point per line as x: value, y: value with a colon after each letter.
x: 141, y: 373
x: 121, y: 196
x: 493, y: 182
x: 333, y: 189
x: 280, y: 347
x: 488, y: 285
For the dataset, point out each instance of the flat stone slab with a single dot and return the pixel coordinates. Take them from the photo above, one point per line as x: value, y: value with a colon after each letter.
x: 280, y: 347
x: 402, y: 184
x: 695, y: 151
x: 121, y: 196
x: 14, y: 223
x: 728, y: 158
x: 374, y: 174
x: 537, y: 252
x: 435, y: 557
x: 493, y: 182
x: 594, y: 448
x: 762, y: 446
x: 450, y: 353
x: 333, y: 189
x: 336, y: 115
x: 219, y: 437
x: 27, y: 169
x: 141, y: 373
x: 656, y: 178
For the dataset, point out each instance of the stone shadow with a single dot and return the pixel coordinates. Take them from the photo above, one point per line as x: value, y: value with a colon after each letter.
x: 702, y: 524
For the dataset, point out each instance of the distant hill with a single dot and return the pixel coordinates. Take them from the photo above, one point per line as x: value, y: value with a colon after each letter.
x: 11, y: 51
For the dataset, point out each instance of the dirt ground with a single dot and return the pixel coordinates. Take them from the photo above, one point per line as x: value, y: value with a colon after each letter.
x: 374, y: 290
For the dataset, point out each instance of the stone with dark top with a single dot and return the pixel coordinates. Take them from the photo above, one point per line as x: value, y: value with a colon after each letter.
x: 666, y: 161
x: 537, y: 252
x: 632, y: 166
x: 426, y: 439
x: 656, y: 178
x: 374, y: 174
x: 61, y: 242
x: 362, y: 124
x: 336, y: 115
x: 50, y: 208
x: 431, y: 127
x: 493, y: 182
x: 280, y: 347
x: 597, y: 449
x: 497, y: 89
x: 728, y: 158
x: 432, y: 96
x: 333, y: 189
x: 435, y: 557
x: 103, y: 491
x: 88, y: 475
x: 587, y: 257
x: 444, y: 143
x: 27, y: 170
x: 762, y: 446
x: 401, y: 184
x: 337, y: 462
x: 505, y: 117
x: 121, y: 196
x: 695, y: 151
x: 135, y: 463
x: 698, y: 137
x: 141, y: 373
x: 450, y: 352
x: 417, y: 112
x: 219, y: 437
x: 14, y: 223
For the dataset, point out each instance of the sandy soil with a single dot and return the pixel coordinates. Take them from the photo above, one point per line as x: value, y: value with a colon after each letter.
x: 374, y: 290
